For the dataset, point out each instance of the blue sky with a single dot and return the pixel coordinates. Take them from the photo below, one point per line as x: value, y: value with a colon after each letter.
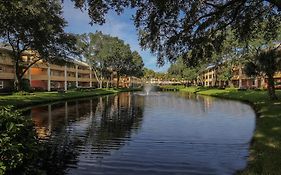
x: 121, y: 26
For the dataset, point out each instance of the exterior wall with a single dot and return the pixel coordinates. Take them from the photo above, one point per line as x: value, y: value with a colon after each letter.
x: 39, y: 84
x: 127, y: 82
x: 6, y: 84
x: 208, y: 78
x: 44, y: 76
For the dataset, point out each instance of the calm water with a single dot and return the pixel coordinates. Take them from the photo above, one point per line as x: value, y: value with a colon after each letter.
x: 131, y: 133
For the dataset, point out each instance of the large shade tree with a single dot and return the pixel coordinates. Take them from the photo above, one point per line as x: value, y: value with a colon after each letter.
x: 93, y: 47
x: 267, y: 63
x: 137, y: 66
x: 107, y: 54
x: 35, y: 28
x: 119, y: 57
x: 192, y: 29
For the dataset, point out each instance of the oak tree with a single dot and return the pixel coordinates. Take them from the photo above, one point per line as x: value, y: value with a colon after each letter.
x: 34, y: 28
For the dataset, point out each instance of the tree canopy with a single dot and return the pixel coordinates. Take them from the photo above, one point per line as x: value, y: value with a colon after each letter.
x: 267, y: 62
x: 107, y: 54
x: 30, y: 25
x: 192, y: 29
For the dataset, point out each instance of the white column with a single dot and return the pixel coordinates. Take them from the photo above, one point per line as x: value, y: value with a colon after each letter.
x: 130, y: 82
x: 91, y: 78
x: 65, y: 78
x: 76, y: 75
x: 240, y: 76
x: 49, y: 78
x: 263, y: 84
x: 256, y: 82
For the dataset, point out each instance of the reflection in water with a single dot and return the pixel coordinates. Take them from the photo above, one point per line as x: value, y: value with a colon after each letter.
x: 167, y: 133
x: 98, y: 126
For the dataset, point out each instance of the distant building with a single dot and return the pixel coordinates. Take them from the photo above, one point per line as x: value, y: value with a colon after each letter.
x: 209, y: 78
x: 239, y: 79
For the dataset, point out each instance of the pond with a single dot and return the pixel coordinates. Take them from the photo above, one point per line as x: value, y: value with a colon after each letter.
x: 133, y: 133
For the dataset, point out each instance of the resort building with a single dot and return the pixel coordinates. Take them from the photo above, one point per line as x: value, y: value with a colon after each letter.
x: 209, y: 78
x: 238, y: 80
x: 46, y: 77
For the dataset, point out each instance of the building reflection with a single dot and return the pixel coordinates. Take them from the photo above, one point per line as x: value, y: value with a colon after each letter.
x: 203, y: 105
x: 97, y: 126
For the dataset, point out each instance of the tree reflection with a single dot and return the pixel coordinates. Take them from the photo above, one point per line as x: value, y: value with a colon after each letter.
x: 120, y: 116
x: 97, y: 125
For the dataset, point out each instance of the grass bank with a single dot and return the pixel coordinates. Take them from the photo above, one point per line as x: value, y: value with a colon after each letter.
x: 265, y: 150
x: 21, y: 100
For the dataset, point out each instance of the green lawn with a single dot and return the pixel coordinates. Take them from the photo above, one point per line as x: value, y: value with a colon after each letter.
x: 265, y: 150
x: 28, y: 99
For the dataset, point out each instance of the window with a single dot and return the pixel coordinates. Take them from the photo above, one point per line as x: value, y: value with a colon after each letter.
x: 1, y: 84
x: 1, y: 68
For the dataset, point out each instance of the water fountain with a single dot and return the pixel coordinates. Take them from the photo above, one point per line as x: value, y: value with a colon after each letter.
x: 148, y: 88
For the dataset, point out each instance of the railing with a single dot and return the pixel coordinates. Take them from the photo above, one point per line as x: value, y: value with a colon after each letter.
x: 7, y: 75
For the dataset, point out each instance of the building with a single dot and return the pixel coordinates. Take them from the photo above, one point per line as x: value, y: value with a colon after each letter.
x: 209, y: 78
x: 45, y: 76
x: 239, y: 79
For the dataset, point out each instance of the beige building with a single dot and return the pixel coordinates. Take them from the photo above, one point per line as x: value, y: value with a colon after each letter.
x: 239, y: 79
x: 46, y: 76
x: 209, y: 78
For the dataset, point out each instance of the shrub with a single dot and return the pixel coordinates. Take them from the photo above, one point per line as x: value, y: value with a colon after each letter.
x: 19, y: 146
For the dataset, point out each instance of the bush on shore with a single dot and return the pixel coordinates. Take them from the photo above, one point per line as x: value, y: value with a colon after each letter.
x: 19, y: 146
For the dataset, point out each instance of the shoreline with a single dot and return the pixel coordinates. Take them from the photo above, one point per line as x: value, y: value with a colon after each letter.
x: 265, y: 145
x: 20, y: 101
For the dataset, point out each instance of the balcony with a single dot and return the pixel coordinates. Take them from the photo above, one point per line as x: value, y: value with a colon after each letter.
x: 57, y: 78
x: 6, y: 61
x: 56, y: 67
x: 81, y: 79
x: 84, y: 71
x: 71, y: 78
x: 39, y: 77
x: 7, y: 75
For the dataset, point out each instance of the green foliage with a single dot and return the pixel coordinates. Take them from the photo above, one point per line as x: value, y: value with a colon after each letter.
x: 18, y: 142
x: 25, y: 85
x: 121, y: 60
x: 148, y: 73
x: 193, y: 29
x: 137, y: 65
x: 107, y: 54
x: 179, y: 70
x: 267, y: 62
x: 35, y: 25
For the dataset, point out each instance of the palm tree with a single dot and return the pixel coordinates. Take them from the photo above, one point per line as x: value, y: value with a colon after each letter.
x: 267, y: 62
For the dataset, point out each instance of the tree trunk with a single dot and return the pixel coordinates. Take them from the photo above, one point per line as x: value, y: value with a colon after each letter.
x: 216, y: 78
x: 271, y: 88
x: 18, y: 83
x: 100, y: 84
x: 107, y: 84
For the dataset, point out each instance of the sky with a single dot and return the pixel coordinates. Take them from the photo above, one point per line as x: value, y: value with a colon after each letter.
x: 120, y: 26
